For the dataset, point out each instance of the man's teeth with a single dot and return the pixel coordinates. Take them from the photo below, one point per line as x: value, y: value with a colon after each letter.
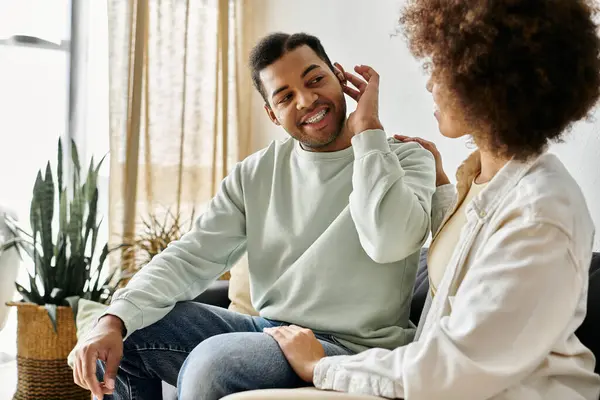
x: 317, y: 117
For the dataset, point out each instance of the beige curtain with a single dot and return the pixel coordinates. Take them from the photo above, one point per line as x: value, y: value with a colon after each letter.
x: 179, y: 109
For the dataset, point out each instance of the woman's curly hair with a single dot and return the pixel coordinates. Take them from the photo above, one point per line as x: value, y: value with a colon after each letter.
x: 526, y: 69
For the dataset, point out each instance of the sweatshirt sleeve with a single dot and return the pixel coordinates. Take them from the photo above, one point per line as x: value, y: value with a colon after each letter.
x: 391, y: 198
x: 499, y: 331
x: 188, y: 266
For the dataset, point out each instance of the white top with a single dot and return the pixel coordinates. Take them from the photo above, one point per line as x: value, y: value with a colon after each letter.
x: 509, y: 333
x: 317, y: 229
x: 447, y: 238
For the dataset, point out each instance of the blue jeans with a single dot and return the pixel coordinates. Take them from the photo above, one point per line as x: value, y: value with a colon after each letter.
x: 207, y: 352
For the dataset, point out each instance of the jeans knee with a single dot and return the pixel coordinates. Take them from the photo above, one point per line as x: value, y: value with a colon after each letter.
x: 206, y: 373
x: 234, y: 362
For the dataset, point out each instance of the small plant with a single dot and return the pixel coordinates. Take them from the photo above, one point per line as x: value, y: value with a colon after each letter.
x: 62, y: 262
x: 156, y: 234
x: 154, y: 237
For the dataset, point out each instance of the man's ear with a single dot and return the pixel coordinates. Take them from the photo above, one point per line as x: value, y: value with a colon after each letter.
x: 271, y: 115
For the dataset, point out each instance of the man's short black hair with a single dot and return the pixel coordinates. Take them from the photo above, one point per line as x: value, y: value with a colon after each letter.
x: 272, y: 47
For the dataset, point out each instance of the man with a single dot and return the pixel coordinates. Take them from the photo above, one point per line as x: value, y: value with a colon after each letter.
x: 332, y: 220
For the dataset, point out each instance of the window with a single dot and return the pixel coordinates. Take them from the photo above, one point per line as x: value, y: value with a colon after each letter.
x: 53, y: 84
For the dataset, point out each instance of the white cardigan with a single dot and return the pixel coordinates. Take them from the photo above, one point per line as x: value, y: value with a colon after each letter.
x: 506, y: 331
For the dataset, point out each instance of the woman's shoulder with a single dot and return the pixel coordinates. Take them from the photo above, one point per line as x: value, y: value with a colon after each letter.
x: 548, y: 194
x: 548, y: 184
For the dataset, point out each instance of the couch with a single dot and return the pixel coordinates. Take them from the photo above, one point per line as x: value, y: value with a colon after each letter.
x: 588, y: 332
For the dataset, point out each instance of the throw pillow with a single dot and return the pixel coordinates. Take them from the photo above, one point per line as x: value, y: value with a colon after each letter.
x: 239, y: 289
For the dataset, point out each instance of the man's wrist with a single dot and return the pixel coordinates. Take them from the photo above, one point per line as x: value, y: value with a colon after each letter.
x: 367, y: 125
x: 114, y: 322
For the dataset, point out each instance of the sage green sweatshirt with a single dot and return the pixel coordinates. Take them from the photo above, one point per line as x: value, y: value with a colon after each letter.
x: 333, y: 241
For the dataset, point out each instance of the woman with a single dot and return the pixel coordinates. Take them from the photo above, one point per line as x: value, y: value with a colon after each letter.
x: 509, y: 265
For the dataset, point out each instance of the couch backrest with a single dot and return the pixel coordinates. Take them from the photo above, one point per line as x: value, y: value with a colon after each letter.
x: 588, y: 332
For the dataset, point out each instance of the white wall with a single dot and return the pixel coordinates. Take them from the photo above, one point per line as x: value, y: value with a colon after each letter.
x: 353, y: 33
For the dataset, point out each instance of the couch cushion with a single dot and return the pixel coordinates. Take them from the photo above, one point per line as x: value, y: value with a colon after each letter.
x: 420, y: 289
x: 239, y: 289
x: 588, y: 333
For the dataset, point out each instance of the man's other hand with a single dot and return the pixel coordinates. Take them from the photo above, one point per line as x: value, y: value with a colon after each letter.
x: 104, y: 342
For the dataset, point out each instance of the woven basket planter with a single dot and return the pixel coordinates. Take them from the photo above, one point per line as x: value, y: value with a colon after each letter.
x: 43, y: 372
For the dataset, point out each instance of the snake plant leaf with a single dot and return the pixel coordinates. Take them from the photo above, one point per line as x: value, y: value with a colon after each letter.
x: 33, y: 209
x: 41, y: 219
x: 62, y: 213
x: 90, y: 182
x: 52, y: 311
x: 95, y: 237
x: 46, y: 207
x: 75, y: 218
x: 101, y: 261
x: 80, y: 273
x: 59, y: 170
x: 90, y: 225
x: 31, y: 251
x: 73, y: 276
x: 34, y: 292
x: 97, y: 171
x: 57, y: 296
x: 76, y: 165
x: 75, y: 156
x: 60, y: 262
x: 73, y: 302
x: 35, y: 226
x: 27, y: 296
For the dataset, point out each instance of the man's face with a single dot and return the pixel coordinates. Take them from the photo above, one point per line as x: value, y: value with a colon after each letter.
x: 305, y: 97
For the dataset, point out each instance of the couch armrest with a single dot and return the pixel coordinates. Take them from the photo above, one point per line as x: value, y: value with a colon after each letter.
x: 217, y: 294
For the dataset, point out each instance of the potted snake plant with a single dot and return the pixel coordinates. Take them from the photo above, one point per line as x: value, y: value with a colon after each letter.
x: 62, y: 273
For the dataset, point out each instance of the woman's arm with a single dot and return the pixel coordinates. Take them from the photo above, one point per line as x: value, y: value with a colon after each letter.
x: 442, y: 203
x: 517, y: 299
x: 445, y: 192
